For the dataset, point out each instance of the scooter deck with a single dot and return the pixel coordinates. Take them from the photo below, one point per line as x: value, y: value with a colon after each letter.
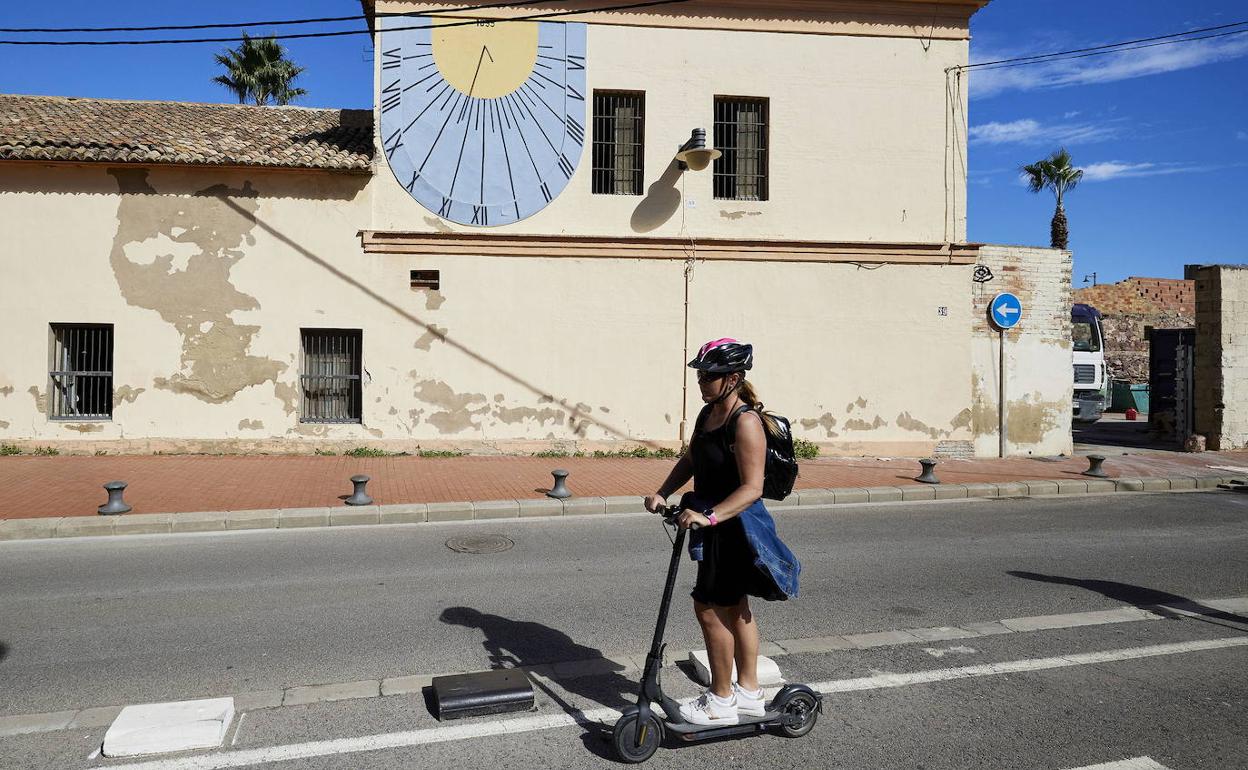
x: 744, y: 724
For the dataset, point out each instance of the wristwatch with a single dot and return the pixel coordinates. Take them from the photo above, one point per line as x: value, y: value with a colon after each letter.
x: 709, y: 513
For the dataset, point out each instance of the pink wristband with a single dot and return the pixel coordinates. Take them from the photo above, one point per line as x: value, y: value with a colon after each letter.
x: 713, y: 519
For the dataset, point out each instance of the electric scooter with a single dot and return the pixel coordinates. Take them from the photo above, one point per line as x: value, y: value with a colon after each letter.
x: 640, y: 730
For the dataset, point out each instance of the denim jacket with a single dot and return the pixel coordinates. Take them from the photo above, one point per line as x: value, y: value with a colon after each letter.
x: 771, y: 555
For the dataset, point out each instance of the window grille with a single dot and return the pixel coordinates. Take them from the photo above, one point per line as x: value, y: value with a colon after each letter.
x: 741, y: 134
x: 330, y: 375
x: 81, y: 372
x: 425, y: 279
x: 619, y: 142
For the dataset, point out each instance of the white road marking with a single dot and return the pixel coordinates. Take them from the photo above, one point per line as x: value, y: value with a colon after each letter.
x: 883, y: 681
x: 529, y: 724
x: 1138, y: 763
x: 239, y: 729
x: 95, y: 753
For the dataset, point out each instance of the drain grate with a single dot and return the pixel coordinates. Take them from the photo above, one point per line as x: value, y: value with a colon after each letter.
x: 480, y: 544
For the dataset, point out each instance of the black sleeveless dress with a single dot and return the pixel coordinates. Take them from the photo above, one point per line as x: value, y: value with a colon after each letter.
x: 727, y: 572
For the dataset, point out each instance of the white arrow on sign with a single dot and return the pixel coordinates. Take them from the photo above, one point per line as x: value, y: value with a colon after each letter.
x: 1005, y: 311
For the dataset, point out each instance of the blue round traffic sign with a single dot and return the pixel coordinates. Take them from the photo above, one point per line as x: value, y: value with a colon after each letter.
x: 1006, y: 310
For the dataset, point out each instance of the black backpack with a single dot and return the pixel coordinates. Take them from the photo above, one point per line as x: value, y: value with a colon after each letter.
x: 780, y: 468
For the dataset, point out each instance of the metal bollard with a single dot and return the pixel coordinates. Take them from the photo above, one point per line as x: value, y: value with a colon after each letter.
x: 359, y: 496
x: 928, y: 477
x: 560, y: 491
x: 1094, y: 467
x: 115, y: 504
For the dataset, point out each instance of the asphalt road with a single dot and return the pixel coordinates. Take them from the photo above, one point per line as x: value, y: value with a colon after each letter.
x: 94, y: 622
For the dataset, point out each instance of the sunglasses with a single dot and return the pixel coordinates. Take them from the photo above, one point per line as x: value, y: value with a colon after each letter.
x: 709, y: 376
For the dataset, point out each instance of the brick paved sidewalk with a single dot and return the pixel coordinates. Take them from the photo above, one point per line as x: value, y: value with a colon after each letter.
x: 33, y: 487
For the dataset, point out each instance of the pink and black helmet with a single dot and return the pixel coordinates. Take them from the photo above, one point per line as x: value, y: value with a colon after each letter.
x: 724, y: 356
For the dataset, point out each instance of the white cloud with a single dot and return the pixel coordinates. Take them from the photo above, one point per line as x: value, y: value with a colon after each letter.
x: 1109, y: 68
x: 1071, y: 114
x: 1242, y: 136
x: 1115, y: 169
x: 1029, y: 131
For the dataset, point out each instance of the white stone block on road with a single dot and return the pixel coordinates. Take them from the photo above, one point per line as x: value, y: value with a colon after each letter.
x: 768, y: 671
x: 157, y: 728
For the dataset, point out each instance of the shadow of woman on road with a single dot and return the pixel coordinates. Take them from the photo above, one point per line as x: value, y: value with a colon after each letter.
x: 1160, y: 602
x: 523, y: 643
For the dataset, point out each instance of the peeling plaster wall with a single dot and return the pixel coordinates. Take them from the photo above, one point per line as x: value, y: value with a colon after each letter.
x: 1038, y: 359
x: 1221, y: 354
x: 208, y: 275
x: 191, y: 267
x: 860, y: 360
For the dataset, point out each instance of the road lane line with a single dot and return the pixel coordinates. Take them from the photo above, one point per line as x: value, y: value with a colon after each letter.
x: 1137, y: 763
x: 426, y: 736
x: 885, y: 681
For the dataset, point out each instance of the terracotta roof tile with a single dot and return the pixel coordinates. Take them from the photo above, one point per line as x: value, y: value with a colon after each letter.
x: 105, y: 130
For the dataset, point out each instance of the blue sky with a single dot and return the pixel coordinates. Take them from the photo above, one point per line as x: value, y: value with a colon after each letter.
x: 1162, y: 133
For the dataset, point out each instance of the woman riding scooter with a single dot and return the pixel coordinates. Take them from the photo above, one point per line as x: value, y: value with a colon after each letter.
x: 734, y: 539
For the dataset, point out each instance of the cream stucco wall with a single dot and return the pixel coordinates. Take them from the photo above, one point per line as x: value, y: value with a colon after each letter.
x: 867, y: 142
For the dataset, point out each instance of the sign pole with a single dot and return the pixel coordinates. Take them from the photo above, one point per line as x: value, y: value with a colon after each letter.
x: 1001, y: 396
x: 1005, y: 311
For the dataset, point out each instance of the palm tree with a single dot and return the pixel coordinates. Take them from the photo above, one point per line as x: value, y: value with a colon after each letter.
x: 259, y: 70
x: 1057, y: 174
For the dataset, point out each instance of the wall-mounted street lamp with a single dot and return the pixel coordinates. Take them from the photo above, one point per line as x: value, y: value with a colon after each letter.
x: 694, y: 154
x: 1090, y: 279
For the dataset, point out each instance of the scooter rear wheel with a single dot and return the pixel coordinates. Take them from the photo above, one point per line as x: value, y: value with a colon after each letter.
x: 624, y: 738
x: 800, y: 713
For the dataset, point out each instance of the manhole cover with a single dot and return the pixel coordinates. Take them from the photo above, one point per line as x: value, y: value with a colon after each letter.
x: 480, y: 544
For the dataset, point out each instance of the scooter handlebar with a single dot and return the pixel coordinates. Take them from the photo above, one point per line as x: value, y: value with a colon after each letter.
x: 670, y: 513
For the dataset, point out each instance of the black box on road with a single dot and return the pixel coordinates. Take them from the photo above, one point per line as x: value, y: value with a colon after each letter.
x: 485, y: 692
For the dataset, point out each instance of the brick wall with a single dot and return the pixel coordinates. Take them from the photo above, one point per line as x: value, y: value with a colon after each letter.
x: 1129, y: 306
x: 1221, y: 354
x: 1037, y: 353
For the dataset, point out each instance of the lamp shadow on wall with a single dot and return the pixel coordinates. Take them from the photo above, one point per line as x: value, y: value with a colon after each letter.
x: 403, y: 313
x: 661, y: 202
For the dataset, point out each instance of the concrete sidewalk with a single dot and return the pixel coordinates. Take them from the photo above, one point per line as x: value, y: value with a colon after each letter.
x: 39, y: 487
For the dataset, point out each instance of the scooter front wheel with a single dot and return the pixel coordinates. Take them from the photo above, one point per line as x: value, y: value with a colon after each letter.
x: 636, y: 741
x: 799, y: 713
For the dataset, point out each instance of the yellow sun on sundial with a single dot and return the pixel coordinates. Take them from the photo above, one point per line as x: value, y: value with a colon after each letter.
x: 484, y: 61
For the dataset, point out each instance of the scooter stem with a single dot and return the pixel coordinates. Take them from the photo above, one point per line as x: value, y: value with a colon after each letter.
x: 651, y: 688
x: 661, y: 626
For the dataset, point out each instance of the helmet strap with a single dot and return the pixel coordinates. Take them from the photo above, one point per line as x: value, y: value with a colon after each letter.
x: 727, y: 391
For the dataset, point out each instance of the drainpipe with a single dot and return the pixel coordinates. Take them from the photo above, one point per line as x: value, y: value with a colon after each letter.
x: 684, y: 377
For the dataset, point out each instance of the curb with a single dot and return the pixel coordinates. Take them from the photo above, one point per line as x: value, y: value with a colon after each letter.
x: 420, y: 513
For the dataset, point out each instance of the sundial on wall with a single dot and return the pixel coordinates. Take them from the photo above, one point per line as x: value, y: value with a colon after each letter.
x: 482, y: 122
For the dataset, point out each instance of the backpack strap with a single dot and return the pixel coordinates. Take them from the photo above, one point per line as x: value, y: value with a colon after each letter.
x: 732, y: 423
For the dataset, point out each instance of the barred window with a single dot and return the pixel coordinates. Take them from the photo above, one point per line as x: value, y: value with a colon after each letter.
x: 81, y: 372
x: 330, y: 375
x: 619, y: 142
x: 741, y: 134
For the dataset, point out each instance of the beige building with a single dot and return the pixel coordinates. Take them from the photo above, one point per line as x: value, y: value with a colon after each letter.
x: 233, y: 278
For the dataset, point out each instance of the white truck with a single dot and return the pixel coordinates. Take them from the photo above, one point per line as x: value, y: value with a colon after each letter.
x: 1089, y: 354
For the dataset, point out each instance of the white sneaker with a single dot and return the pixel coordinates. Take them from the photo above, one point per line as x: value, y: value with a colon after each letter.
x: 753, y: 704
x: 709, y: 709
